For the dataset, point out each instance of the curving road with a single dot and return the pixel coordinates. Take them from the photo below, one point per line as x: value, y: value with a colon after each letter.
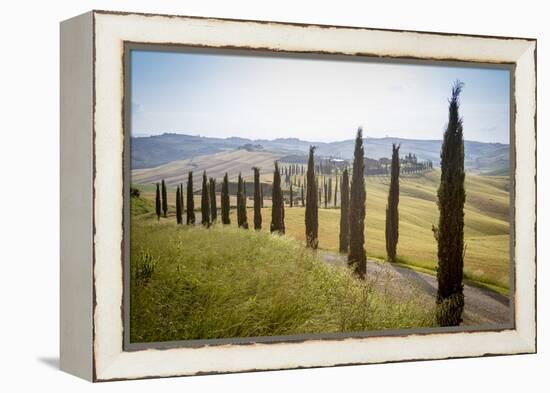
x: 482, y: 306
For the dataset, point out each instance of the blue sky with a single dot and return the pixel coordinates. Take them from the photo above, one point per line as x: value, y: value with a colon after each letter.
x: 222, y: 95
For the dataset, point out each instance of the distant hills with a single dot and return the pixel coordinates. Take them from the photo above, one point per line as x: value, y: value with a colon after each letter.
x: 232, y: 161
x: 154, y: 151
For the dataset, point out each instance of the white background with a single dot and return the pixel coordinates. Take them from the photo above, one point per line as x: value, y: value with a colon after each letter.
x: 29, y: 166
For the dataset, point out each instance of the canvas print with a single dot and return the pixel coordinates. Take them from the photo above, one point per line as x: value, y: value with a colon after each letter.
x: 280, y: 195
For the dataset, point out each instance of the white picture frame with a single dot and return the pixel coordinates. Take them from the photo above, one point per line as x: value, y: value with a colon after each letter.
x: 92, y: 197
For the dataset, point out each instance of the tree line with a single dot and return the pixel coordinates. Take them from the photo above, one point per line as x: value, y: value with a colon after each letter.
x: 450, y: 200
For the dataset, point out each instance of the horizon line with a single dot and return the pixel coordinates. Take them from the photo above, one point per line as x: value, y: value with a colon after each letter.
x: 145, y: 135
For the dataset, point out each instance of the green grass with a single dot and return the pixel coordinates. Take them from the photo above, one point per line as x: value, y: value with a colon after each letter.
x: 196, y: 283
x: 487, y: 228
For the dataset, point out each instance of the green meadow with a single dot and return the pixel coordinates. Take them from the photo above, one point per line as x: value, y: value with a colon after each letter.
x: 189, y: 282
x: 487, y: 229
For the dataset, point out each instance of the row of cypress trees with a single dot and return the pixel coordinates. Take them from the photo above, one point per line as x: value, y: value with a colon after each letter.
x: 209, y: 203
x: 352, y: 205
x: 352, y: 212
x: 451, y: 198
x: 449, y: 234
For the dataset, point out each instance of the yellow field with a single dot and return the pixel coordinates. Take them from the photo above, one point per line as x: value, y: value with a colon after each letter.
x: 486, y: 223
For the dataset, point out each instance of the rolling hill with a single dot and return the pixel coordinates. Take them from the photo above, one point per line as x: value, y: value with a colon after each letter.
x: 215, y: 165
x: 154, y: 151
x: 487, y: 228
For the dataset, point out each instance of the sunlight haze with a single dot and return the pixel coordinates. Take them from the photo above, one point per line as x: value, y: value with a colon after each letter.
x: 267, y: 97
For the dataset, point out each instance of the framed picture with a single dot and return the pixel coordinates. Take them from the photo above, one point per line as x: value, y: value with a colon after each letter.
x: 247, y: 195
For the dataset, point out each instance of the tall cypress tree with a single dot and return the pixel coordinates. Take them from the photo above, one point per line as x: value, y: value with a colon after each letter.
x: 164, y: 199
x: 302, y: 196
x: 182, y: 205
x: 190, y: 201
x: 242, y: 219
x: 205, y: 202
x: 239, y: 201
x: 257, y: 199
x: 312, y: 208
x: 335, y: 192
x: 357, y: 257
x: 178, y: 205
x: 225, y: 201
x: 344, y: 212
x: 291, y: 196
x: 157, y: 202
x: 278, y: 207
x: 213, y: 204
x: 243, y: 205
x: 245, y: 199
x: 329, y: 189
x: 450, y: 232
x: 326, y: 192
x: 392, y: 212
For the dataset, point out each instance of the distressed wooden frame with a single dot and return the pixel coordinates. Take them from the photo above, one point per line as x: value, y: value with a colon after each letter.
x: 92, y: 194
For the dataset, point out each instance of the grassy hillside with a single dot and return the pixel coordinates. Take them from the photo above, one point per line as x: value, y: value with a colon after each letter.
x: 216, y: 165
x: 487, y: 230
x: 486, y: 223
x: 196, y: 283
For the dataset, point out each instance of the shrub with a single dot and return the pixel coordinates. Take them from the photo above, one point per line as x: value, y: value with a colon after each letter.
x: 145, y: 266
x: 134, y: 192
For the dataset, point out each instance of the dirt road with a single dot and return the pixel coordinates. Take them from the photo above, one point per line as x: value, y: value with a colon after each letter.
x: 482, y: 306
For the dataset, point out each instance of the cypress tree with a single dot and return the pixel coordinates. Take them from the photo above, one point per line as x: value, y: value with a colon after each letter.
x: 213, y: 203
x: 392, y: 212
x: 164, y: 199
x: 329, y: 189
x: 335, y: 192
x: 312, y: 209
x: 257, y: 199
x: 302, y: 196
x: 157, y: 202
x: 450, y: 233
x: 178, y: 205
x: 225, y: 201
x: 326, y: 192
x: 244, y: 203
x: 190, y: 201
x: 239, y: 201
x: 242, y: 219
x: 205, y: 202
x: 278, y: 207
x: 291, y: 195
x: 182, y: 206
x: 344, y: 212
x: 243, y: 206
x: 357, y: 257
